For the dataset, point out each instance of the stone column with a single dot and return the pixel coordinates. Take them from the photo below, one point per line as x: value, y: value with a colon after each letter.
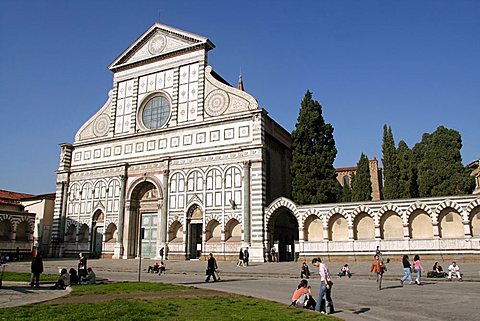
x: 466, y: 229
x: 164, y: 215
x: 247, y: 212
x: 436, y: 230
x: 118, y: 250
x: 406, y: 232
x: 378, y: 232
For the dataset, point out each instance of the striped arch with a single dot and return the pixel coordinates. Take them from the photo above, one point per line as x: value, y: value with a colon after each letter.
x: 171, y: 222
x: 7, y: 218
x: 419, y: 206
x: 392, y: 208
x: 139, y: 180
x: 195, y: 201
x: 333, y: 211
x: 178, y: 218
x: 449, y: 203
x: 282, y: 202
x: 30, y: 222
x: 235, y: 216
x: 363, y: 209
x: 307, y: 214
x: 472, y: 205
x: 111, y: 220
x: 211, y: 217
x: 71, y: 222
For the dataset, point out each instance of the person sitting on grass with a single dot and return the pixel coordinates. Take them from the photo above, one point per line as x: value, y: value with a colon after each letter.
x: 345, y: 271
x: 63, y: 281
x: 73, y: 276
x: 302, y: 297
x: 90, y: 278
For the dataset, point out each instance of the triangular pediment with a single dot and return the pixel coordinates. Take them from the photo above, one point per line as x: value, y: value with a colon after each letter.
x: 160, y: 41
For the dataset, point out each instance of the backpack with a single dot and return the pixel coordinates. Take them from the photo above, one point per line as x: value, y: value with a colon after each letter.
x: 302, y: 301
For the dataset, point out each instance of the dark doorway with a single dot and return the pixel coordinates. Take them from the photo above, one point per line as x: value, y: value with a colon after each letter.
x: 195, y: 240
x: 285, y: 234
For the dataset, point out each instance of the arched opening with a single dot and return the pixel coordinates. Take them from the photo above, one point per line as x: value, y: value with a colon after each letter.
x: 194, y: 232
x: 420, y: 225
x: 83, y: 234
x: 363, y: 227
x: 175, y: 233
x: 475, y: 221
x: 338, y: 228
x: 5, y: 230
x: 23, y: 232
x: 233, y: 231
x: 213, y: 232
x: 313, y: 231
x: 391, y: 226
x: 451, y: 224
x: 111, y: 233
x: 70, y: 235
x: 97, y: 233
x: 143, y: 221
x: 284, y: 230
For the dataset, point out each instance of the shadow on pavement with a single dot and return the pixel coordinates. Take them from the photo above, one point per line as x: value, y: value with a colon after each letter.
x: 220, y: 281
x: 361, y: 310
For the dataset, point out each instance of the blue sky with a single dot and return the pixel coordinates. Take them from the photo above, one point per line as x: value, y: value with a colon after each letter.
x: 414, y: 65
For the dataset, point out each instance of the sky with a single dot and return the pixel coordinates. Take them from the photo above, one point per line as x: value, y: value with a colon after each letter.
x: 414, y: 65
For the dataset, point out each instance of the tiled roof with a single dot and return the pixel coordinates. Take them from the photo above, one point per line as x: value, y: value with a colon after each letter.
x: 8, y: 195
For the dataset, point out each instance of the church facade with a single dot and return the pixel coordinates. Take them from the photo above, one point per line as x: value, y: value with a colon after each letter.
x: 179, y: 159
x: 176, y: 158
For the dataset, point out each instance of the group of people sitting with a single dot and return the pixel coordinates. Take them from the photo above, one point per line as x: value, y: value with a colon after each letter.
x: 71, y: 277
x: 157, y: 268
x: 83, y: 276
x: 437, y: 271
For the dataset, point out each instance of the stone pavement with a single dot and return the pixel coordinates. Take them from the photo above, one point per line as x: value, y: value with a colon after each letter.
x: 355, y: 298
x: 14, y: 294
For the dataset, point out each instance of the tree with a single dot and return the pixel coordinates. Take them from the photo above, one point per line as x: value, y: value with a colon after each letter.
x: 346, y: 194
x: 390, y: 165
x: 361, y: 182
x: 439, y: 164
x: 313, y: 153
x: 407, y: 179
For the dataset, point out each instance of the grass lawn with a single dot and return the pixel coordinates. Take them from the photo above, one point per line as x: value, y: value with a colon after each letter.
x: 156, y: 301
x: 20, y: 277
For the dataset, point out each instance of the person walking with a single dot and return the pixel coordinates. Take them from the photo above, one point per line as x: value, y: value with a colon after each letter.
x: 325, y: 288
x: 211, y: 267
x: 246, y: 255
x: 161, y: 252
x: 417, y: 265
x: 240, y: 258
x: 407, y: 269
x: 377, y: 266
x: 37, y: 269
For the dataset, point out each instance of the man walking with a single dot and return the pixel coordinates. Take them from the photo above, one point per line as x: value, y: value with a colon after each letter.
x: 37, y: 269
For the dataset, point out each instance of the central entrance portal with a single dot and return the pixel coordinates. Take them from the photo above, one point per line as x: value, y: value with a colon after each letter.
x: 149, y: 224
x: 285, y: 234
x: 194, y: 232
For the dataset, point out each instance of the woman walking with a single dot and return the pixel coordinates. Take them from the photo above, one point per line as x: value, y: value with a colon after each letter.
x: 407, y: 269
x: 417, y: 265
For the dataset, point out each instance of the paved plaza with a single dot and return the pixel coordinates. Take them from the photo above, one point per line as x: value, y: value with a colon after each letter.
x: 355, y: 298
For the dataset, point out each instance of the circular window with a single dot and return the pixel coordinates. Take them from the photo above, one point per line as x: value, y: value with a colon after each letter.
x: 156, y: 112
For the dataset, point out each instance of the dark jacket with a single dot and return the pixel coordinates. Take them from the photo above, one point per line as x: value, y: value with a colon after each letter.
x: 37, y: 265
x: 211, y: 265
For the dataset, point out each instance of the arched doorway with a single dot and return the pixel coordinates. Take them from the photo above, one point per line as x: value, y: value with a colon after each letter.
x: 283, y: 227
x: 97, y: 233
x: 194, y: 232
x: 144, y: 220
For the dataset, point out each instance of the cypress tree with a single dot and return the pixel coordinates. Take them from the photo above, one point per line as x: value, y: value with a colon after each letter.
x: 313, y: 153
x: 439, y: 164
x: 346, y: 194
x: 407, y: 181
x: 361, y: 182
x: 390, y: 165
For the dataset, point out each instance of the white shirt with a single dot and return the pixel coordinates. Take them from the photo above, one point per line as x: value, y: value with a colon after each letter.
x: 324, y: 272
x: 452, y: 268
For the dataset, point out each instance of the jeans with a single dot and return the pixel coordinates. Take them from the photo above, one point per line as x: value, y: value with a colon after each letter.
x: 419, y: 275
x: 408, y: 275
x: 321, y: 293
